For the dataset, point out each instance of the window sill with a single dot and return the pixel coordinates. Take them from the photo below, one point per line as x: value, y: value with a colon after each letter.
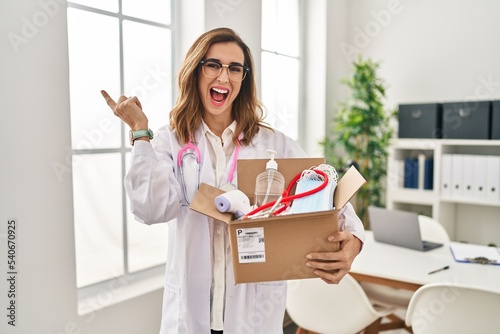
x: 104, y: 294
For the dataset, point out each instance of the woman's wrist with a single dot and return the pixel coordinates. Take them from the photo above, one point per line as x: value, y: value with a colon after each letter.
x: 141, y: 126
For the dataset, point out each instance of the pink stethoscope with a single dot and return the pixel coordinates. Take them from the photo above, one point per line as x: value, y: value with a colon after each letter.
x: 191, y: 150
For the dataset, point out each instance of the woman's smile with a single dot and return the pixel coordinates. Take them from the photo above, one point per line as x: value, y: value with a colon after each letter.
x: 218, y: 95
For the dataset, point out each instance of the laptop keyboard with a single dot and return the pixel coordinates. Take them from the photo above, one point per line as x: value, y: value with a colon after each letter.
x: 430, y: 245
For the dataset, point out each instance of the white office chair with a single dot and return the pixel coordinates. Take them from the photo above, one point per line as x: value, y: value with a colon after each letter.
x: 316, y: 306
x: 438, y: 308
x: 430, y: 230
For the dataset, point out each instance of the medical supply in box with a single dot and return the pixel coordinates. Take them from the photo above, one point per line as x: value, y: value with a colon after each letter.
x: 308, y: 182
x: 269, y: 184
x: 275, y: 248
x: 233, y: 201
x: 289, y: 196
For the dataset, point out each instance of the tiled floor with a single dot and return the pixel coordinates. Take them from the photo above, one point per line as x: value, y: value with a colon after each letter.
x: 401, y: 314
x: 290, y: 329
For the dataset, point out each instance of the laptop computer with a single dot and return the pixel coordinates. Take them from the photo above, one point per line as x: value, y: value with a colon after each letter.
x: 399, y: 228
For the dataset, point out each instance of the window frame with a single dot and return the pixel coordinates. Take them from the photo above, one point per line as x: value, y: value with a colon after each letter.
x: 95, y: 296
x: 301, y: 118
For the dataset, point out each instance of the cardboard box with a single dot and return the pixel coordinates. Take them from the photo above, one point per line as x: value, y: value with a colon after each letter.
x: 274, y: 249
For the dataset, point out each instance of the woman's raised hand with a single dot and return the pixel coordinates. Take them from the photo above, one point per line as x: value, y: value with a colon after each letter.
x: 129, y: 110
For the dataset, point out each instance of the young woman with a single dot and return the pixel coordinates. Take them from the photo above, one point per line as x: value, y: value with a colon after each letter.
x: 217, y: 112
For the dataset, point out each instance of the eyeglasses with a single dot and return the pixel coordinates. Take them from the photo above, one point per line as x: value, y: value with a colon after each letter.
x: 235, y: 72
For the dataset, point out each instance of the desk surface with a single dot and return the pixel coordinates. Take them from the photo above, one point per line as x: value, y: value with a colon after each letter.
x: 406, y: 268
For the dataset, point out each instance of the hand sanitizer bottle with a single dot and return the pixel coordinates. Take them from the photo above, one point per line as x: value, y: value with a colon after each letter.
x: 269, y: 184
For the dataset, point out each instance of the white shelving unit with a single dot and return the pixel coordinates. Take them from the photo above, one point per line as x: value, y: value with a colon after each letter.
x: 466, y: 219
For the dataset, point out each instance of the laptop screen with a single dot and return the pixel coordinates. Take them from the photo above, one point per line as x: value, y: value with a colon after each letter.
x: 399, y: 228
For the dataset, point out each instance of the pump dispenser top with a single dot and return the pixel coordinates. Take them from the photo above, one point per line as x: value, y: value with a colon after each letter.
x: 272, y: 163
x: 269, y: 184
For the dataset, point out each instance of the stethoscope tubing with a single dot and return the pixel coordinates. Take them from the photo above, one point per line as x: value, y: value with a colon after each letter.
x: 183, y: 153
x: 181, y: 171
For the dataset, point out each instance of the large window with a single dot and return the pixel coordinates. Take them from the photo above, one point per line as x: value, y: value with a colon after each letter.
x: 280, y: 64
x: 123, y: 47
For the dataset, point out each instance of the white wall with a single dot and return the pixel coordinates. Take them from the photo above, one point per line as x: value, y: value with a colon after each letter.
x: 314, y: 86
x: 337, y: 68
x: 241, y: 16
x: 430, y: 51
x: 36, y: 134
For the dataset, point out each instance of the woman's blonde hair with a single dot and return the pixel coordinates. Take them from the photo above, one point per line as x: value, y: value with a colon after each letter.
x: 187, y: 113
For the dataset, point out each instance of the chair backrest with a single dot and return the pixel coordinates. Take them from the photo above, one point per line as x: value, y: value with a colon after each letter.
x: 451, y: 308
x: 328, y: 308
x: 432, y: 230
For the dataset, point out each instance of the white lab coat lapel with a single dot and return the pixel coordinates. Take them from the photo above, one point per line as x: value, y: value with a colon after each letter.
x: 186, y: 304
x: 207, y: 172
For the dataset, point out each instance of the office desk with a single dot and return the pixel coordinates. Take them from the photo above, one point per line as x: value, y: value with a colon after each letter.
x: 409, y: 269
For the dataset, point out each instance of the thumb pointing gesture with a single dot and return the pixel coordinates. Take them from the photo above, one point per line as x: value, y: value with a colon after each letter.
x: 128, y: 109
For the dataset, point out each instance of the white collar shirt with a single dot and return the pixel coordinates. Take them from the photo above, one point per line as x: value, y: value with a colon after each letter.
x: 220, y: 150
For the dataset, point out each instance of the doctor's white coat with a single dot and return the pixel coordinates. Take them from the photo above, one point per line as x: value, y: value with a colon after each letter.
x: 153, y: 187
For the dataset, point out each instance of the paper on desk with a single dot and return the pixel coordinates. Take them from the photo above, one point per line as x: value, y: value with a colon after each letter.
x: 469, y: 252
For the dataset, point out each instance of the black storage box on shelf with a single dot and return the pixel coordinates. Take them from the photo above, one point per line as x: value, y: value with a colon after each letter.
x: 466, y: 120
x: 495, y: 120
x: 420, y: 120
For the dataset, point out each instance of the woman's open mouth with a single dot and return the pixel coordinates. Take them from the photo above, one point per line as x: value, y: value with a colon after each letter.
x: 218, y: 95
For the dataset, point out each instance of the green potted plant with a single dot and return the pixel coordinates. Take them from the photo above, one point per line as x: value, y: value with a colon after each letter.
x: 361, y: 134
